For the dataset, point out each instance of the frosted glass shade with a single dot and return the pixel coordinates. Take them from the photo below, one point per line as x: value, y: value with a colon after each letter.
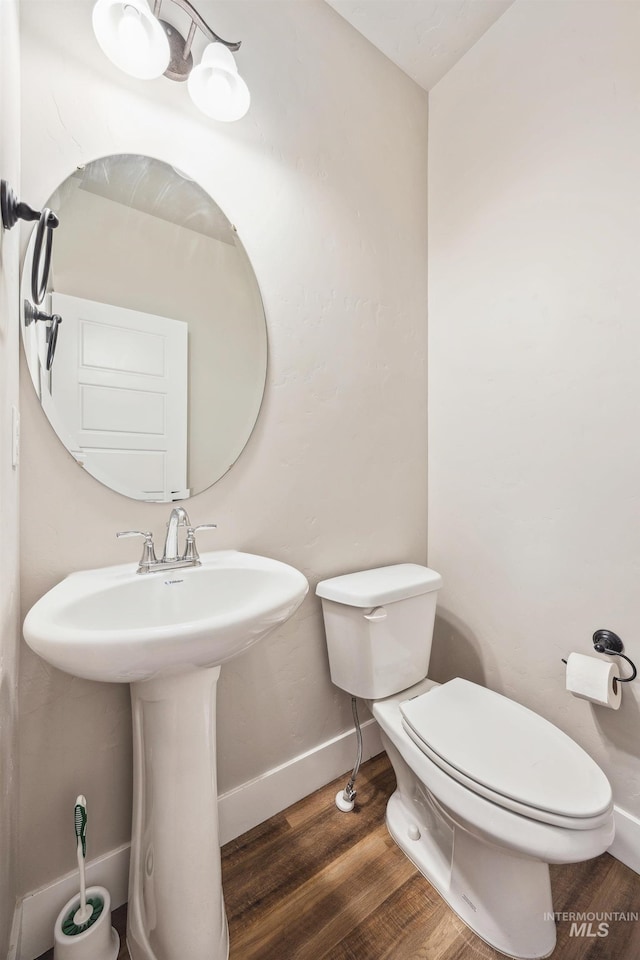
x: 215, y: 86
x: 131, y: 37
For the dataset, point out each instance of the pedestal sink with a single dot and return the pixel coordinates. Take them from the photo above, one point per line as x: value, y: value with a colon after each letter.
x: 167, y: 635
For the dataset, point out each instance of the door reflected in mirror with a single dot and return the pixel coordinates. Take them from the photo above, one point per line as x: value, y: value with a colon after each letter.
x: 161, y: 354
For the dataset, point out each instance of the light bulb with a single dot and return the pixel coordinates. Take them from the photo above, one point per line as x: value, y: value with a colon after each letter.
x: 219, y: 88
x: 131, y: 34
x: 215, y: 86
x: 131, y: 37
x: 217, y: 55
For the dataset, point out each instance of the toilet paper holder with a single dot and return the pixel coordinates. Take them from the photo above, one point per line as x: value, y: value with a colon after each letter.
x: 606, y: 641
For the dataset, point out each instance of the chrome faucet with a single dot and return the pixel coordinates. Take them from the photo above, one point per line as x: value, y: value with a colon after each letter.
x: 179, y: 518
x: 170, y: 559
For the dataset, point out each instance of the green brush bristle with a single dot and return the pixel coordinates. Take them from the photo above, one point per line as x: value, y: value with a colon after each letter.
x: 71, y: 929
x: 80, y: 822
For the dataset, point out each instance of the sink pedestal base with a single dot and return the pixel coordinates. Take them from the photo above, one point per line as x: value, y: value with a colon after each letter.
x: 176, y: 909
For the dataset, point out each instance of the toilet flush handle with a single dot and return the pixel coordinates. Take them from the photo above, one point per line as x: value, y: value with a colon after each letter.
x: 378, y: 613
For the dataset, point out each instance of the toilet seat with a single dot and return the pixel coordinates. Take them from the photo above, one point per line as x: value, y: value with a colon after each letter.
x: 567, y: 841
x: 508, y: 754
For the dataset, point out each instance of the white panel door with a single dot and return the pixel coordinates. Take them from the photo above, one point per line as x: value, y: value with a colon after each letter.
x: 119, y: 386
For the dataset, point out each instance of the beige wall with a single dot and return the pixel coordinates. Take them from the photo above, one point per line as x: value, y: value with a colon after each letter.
x: 9, y: 633
x: 534, y: 361
x: 325, y: 181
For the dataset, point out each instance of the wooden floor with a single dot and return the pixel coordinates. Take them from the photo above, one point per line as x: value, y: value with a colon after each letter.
x: 316, y: 884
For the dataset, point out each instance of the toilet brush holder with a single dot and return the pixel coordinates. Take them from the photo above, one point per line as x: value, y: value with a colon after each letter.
x: 99, y: 941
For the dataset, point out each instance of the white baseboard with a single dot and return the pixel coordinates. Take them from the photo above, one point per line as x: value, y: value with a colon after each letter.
x: 255, y: 801
x: 40, y: 908
x: 14, y: 936
x: 626, y: 846
x: 239, y: 810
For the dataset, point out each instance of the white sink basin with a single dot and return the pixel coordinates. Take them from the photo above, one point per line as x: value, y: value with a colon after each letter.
x: 116, y: 625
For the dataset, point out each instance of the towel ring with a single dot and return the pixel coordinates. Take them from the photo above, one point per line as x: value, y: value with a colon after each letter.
x: 13, y: 210
x: 41, y: 265
x: 52, y: 338
x: 31, y: 315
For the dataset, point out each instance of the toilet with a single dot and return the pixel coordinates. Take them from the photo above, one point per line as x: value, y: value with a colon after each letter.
x: 488, y: 792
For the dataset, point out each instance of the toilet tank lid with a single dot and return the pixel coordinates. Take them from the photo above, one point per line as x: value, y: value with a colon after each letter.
x: 372, y: 588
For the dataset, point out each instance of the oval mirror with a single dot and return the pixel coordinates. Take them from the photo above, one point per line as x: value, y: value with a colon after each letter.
x: 155, y: 314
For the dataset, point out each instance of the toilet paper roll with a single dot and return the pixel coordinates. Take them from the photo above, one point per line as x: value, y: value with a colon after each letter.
x: 592, y: 679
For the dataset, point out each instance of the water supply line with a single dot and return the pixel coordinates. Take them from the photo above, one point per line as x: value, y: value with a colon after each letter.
x: 345, y: 798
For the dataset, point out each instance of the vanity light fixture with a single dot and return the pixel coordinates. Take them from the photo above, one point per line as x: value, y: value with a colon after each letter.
x: 136, y: 40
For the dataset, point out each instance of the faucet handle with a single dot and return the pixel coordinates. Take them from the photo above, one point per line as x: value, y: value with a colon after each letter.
x: 190, y: 549
x: 148, y: 550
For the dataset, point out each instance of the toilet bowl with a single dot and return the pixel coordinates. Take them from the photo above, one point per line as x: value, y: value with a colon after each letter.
x: 488, y: 792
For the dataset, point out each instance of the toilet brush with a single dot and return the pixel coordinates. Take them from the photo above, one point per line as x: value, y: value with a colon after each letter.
x: 83, y: 916
x: 83, y: 929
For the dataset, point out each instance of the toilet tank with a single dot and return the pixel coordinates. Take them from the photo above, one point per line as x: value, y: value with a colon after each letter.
x: 379, y: 627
